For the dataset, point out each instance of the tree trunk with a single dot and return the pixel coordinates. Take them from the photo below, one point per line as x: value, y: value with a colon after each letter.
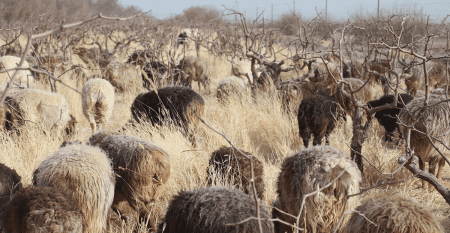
x: 359, y: 136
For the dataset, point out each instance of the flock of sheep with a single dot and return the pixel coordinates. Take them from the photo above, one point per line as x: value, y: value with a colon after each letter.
x: 75, y: 187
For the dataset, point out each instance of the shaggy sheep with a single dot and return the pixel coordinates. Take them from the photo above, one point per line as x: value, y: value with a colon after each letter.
x: 194, y: 69
x: 388, y: 117
x: 392, y: 213
x: 305, y: 172
x: 9, y: 184
x: 230, y: 86
x: 179, y: 104
x: 268, y: 79
x: 436, y: 77
x: 317, y: 115
x: 23, y: 78
x: 234, y: 167
x: 85, y: 173
x: 322, y: 77
x: 435, y: 121
x: 212, y: 210
x: 98, y: 101
x: 142, y: 166
x: 124, y: 77
x: 240, y: 68
x: 33, y: 107
x: 42, y: 209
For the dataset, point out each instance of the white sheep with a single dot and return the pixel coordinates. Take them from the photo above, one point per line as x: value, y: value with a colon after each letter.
x: 84, y: 172
x: 33, y: 107
x: 23, y: 78
x: 230, y: 86
x: 98, y: 101
x: 240, y: 68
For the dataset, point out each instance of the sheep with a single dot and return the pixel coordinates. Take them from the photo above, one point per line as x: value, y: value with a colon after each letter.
x: 240, y: 68
x: 322, y: 77
x: 23, y: 78
x: 188, y: 33
x: 10, y: 183
x: 213, y: 210
x: 42, y: 209
x: 234, y: 167
x: 388, y: 117
x: 194, y: 69
x: 435, y: 121
x: 139, y: 57
x: 305, y: 172
x: 33, y: 107
x: 94, y: 56
x: 142, y: 166
x: 416, y: 81
x: 156, y: 71
x: 230, y: 86
x: 98, y: 101
x: 317, y: 115
x: 268, y: 79
x: 85, y: 173
x: 391, y: 212
x: 124, y: 77
x: 181, y: 103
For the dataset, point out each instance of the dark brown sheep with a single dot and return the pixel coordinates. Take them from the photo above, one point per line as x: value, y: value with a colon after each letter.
x: 317, y: 116
x: 9, y: 184
x: 234, y: 167
x: 36, y: 209
x: 178, y: 104
x: 212, y: 210
x: 141, y: 165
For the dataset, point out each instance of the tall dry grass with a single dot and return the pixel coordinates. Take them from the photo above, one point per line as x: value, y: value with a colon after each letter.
x: 257, y: 125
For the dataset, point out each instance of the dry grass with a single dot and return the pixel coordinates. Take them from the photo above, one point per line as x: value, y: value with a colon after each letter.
x: 259, y: 127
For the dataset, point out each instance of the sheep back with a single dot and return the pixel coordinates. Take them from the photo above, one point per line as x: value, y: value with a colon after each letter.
x: 180, y: 102
x: 234, y: 167
x: 316, y: 115
x: 98, y: 101
x: 230, y: 86
x: 142, y: 166
x: 9, y: 184
x: 37, y: 209
x: 211, y: 210
x: 23, y: 77
x: 85, y: 172
x: 308, y: 170
x: 33, y: 106
x: 392, y: 213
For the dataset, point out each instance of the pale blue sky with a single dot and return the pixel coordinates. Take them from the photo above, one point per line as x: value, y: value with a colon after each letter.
x: 437, y: 9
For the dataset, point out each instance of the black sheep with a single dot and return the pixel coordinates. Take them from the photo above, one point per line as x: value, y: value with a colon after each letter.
x: 42, y: 209
x: 175, y: 103
x: 9, y: 184
x: 317, y: 115
x: 213, y: 209
x: 388, y: 117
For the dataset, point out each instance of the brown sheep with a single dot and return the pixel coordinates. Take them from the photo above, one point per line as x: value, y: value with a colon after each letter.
x: 84, y: 172
x: 36, y: 209
x: 234, y: 167
x: 308, y: 170
x: 392, y: 213
x: 194, y: 69
x: 212, y: 210
x: 142, y: 166
x: 435, y: 121
x: 9, y: 184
